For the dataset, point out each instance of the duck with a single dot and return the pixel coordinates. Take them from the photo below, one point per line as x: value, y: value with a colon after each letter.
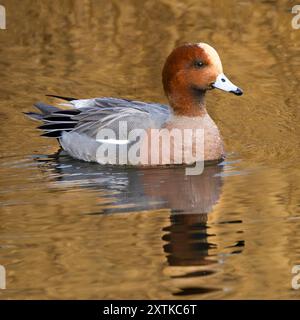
x: 119, y: 131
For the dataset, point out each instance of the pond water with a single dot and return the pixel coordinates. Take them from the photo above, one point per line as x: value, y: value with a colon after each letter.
x: 70, y: 229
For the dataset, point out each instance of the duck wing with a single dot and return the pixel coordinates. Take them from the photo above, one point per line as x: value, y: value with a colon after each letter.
x: 88, y: 116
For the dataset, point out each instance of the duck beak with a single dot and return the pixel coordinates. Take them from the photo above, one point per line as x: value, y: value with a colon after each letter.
x: 223, y: 83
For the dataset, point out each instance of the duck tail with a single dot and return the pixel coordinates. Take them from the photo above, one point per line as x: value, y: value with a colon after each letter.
x: 55, y: 120
x: 45, y: 110
x: 60, y: 97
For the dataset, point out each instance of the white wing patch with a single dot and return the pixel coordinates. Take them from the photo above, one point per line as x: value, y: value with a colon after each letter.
x: 113, y: 141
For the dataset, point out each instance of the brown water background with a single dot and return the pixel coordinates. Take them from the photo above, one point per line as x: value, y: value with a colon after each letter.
x: 70, y: 229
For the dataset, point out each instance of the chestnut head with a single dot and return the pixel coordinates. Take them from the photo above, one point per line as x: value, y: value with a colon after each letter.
x: 195, y: 67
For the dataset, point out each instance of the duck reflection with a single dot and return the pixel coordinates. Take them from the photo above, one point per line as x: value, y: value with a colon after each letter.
x: 189, y: 198
x: 135, y: 189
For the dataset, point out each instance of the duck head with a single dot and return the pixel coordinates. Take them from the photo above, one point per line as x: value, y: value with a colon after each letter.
x: 189, y: 71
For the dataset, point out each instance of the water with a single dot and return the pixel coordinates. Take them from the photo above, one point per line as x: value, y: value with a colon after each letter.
x: 76, y: 230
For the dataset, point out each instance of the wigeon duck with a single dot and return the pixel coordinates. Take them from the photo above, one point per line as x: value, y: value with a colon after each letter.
x: 128, y: 126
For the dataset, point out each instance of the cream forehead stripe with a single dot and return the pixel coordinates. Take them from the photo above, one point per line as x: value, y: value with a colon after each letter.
x: 213, y: 55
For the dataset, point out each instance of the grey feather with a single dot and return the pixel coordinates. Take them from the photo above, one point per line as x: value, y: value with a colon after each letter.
x: 107, y: 113
x: 91, y: 115
x: 45, y: 108
x: 34, y: 116
x: 60, y: 97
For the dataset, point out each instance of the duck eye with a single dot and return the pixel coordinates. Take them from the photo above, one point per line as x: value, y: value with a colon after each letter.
x: 198, y: 64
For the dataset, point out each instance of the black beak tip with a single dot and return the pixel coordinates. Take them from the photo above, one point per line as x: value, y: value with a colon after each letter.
x: 237, y: 92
